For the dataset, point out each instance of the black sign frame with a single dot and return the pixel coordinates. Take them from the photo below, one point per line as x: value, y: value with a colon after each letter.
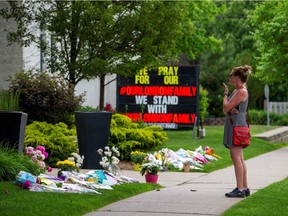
x: 167, y: 96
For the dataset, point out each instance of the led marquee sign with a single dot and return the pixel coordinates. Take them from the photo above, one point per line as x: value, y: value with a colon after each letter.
x: 167, y: 97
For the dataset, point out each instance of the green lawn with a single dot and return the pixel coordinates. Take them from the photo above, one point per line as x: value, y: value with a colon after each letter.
x: 269, y: 201
x: 16, y: 201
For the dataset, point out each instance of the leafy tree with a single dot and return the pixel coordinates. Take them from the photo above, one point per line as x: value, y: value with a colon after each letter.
x: 203, y: 105
x: 96, y: 38
x: 233, y: 27
x: 271, y: 29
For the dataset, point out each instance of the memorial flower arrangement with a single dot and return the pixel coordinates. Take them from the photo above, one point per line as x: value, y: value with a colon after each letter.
x: 66, y: 165
x: 162, y: 156
x: 150, y: 166
x: 38, y: 155
x: 73, y: 163
x: 138, y: 157
x: 78, y: 160
x: 109, y: 156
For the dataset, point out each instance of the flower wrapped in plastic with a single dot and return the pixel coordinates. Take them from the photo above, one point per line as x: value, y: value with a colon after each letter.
x: 25, y: 179
x: 78, y: 160
x: 109, y: 156
x: 65, y: 165
x: 38, y: 155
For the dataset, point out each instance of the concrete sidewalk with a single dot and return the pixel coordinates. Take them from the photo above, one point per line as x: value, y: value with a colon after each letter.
x: 198, y: 193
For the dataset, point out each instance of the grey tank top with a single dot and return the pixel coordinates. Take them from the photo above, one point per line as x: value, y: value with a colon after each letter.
x: 239, y: 119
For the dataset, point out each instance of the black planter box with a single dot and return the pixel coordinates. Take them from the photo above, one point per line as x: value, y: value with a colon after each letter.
x: 12, y: 129
x: 93, y: 129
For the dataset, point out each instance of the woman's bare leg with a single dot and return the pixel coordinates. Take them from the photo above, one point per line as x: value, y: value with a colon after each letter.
x: 239, y: 166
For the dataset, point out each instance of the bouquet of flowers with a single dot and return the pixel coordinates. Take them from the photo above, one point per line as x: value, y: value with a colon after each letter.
x: 138, y: 157
x: 150, y: 166
x: 73, y: 163
x: 161, y: 155
x: 38, y: 155
x: 66, y: 165
x: 77, y: 159
x: 109, y: 156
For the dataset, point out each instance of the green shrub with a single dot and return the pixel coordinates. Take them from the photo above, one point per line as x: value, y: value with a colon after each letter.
x: 125, y: 134
x: 259, y: 117
x: 11, y: 163
x: 45, y: 98
x: 129, y: 136
x: 58, y: 139
x: 283, y: 120
x: 203, y: 103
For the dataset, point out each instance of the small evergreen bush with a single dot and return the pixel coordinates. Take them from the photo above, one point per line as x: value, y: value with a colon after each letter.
x: 58, y: 139
x: 129, y: 136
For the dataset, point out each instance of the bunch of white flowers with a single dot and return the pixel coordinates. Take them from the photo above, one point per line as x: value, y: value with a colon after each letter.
x: 77, y: 159
x: 109, y: 156
x: 163, y: 154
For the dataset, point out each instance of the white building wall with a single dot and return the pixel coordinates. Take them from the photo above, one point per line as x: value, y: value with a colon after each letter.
x: 92, y: 89
x: 31, y: 58
x: 11, y: 58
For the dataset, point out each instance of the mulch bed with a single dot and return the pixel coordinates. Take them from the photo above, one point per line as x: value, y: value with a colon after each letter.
x: 125, y: 165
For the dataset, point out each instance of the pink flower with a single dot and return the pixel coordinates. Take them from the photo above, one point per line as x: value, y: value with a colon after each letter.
x: 41, y: 148
x: 41, y: 164
x: 34, y: 158
x: 41, y: 157
x: 39, y: 153
x: 46, y: 154
x: 49, y: 169
x: 26, y: 184
x: 29, y: 150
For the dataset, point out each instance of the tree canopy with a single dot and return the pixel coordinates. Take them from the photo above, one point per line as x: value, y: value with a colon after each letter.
x: 233, y: 27
x: 270, y: 22
x: 91, y: 39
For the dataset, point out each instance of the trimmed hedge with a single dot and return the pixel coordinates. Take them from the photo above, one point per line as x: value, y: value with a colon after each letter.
x: 259, y: 117
x: 58, y: 139
x: 129, y: 136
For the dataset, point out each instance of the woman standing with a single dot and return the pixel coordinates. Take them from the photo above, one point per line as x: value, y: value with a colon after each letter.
x: 235, y: 107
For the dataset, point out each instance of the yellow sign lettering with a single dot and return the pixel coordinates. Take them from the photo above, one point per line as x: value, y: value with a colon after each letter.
x: 142, y: 79
x: 144, y: 72
x: 168, y: 71
x: 171, y: 80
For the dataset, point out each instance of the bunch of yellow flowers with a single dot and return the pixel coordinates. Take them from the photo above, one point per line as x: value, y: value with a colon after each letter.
x: 66, y: 165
